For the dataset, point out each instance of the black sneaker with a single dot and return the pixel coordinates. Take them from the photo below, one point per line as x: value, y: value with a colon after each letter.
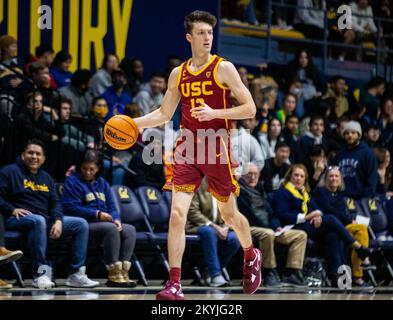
x: 363, y: 252
x: 294, y: 279
x: 272, y: 279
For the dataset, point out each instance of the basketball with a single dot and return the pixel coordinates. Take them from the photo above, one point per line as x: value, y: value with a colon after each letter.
x: 121, y: 132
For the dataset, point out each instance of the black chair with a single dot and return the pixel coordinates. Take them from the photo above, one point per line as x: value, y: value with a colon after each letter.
x: 157, y: 209
x: 131, y: 212
x: 374, y: 209
x: 16, y: 237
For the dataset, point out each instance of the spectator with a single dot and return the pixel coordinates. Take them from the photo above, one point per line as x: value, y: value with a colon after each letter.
x: 330, y: 199
x: 78, y: 92
x: 363, y: 20
x: 60, y: 70
x: 133, y: 68
x: 243, y: 73
x: 102, y: 79
x: 151, y: 94
x: 6, y: 256
x: 384, y: 186
x: 44, y: 56
x: 295, y: 88
x: 372, y: 135
x: 370, y: 96
x: 294, y: 206
x: 275, y: 168
x: 362, y: 26
x: 28, y: 196
x: 316, y: 165
x: 72, y: 136
x: 95, y: 122
x: 268, y: 141
x: 43, y: 81
x: 336, y: 89
x: 302, y: 69
x: 288, y: 107
x: 31, y: 123
x: 44, y: 53
x: 253, y: 205
x: 386, y: 124
x: 11, y: 64
x: 88, y: 196
x: 9, y: 51
x: 357, y: 163
x: 245, y: 147
x: 115, y: 96
x: 337, y: 136
x: 312, y: 137
x: 310, y: 20
x: 205, y: 220
x: 290, y: 134
x: 172, y: 62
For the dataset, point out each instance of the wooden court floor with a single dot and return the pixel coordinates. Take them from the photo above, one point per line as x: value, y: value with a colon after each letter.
x: 195, y: 293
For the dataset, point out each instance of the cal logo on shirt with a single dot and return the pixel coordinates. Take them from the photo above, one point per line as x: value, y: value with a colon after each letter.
x: 35, y: 187
x: 91, y: 196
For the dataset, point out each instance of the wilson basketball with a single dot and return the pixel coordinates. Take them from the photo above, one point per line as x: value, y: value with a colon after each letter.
x: 121, y: 132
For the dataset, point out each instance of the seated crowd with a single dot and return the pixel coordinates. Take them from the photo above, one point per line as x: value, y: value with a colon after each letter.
x: 310, y: 145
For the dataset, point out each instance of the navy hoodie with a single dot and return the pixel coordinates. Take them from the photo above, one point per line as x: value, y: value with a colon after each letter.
x: 19, y: 188
x: 83, y: 199
x: 359, y: 169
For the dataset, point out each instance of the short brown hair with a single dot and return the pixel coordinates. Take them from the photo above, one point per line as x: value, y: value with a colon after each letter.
x: 32, y: 95
x: 199, y: 16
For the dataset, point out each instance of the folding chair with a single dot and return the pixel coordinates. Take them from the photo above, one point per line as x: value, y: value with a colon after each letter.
x: 131, y: 212
x: 373, y: 208
x: 157, y: 210
x: 354, y: 207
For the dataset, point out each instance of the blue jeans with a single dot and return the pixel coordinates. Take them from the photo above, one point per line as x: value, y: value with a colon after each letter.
x: 334, y: 234
x: 209, y: 240
x: 36, y: 227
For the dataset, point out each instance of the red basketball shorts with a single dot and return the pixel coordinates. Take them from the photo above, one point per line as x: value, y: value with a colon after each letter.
x: 196, y: 159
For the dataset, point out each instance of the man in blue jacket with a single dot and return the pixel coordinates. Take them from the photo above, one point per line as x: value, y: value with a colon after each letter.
x: 357, y: 163
x: 28, y: 197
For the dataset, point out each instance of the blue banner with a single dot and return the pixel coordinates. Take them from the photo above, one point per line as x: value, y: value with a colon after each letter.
x: 149, y: 29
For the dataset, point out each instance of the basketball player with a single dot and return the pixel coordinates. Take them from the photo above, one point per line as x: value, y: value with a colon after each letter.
x: 204, y: 84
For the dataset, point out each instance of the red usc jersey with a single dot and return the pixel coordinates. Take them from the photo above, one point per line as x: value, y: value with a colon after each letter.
x: 202, y: 86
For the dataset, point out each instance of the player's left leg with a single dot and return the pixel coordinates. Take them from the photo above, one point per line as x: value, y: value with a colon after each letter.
x: 252, y: 257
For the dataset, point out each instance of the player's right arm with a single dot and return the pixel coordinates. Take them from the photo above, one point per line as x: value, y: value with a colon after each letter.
x: 168, y: 105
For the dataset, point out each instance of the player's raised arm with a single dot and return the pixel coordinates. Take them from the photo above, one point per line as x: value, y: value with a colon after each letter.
x: 168, y: 105
x: 228, y: 75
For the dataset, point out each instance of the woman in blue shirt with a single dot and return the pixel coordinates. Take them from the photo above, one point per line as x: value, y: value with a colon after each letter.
x: 86, y: 194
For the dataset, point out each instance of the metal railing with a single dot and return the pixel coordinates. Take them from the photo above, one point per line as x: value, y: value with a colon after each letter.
x: 325, y: 43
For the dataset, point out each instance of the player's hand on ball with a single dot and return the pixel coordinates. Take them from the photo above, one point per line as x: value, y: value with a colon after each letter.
x: 203, y: 112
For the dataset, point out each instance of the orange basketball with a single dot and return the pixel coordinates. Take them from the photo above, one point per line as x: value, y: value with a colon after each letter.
x: 121, y: 132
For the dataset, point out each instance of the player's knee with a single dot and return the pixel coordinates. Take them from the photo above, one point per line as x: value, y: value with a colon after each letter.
x: 178, y: 217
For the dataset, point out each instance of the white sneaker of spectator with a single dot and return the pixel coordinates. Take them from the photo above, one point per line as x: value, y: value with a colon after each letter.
x: 43, y: 282
x: 382, y: 238
x: 218, y: 281
x: 80, y: 280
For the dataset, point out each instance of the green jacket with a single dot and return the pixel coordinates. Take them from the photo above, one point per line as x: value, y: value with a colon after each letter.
x: 200, y: 212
